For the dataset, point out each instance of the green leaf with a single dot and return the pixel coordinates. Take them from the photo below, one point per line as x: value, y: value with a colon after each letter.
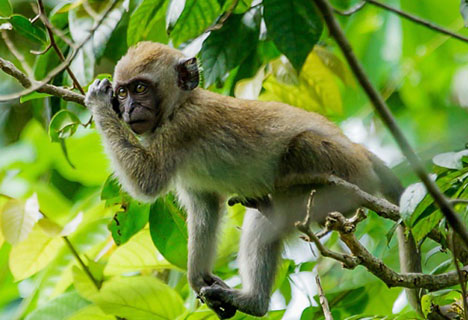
x: 27, y: 29
x: 63, y: 125
x: 5, y: 8
x: 34, y: 95
x: 143, y: 20
x: 168, y: 231
x: 128, y: 222
x: 33, y: 254
x: 196, y: 17
x: 83, y: 284
x: 294, y: 26
x: 139, y: 298
x: 137, y: 254
x: 410, y: 199
x: 111, y: 191
x: 59, y: 308
x: 91, y: 312
x: 221, y: 52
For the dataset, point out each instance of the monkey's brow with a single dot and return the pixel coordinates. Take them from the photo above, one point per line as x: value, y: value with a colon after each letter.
x: 135, y: 79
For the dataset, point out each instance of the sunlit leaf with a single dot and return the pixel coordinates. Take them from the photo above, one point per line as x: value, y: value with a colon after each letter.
x: 71, y: 226
x: 5, y: 8
x: 2, y: 237
x: 27, y: 29
x: 196, y: 17
x: 129, y: 221
x: 33, y: 254
x: 83, y: 283
x: 51, y: 228
x: 59, y: 308
x: 168, y: 231
x: 294, y: 26
x: 143, y: 20
x: 63, y: 125
x: 18, y: 219
x: 139, y: 253
x: 139, y: 298
x: 91, y: 312
x: 410, y: 199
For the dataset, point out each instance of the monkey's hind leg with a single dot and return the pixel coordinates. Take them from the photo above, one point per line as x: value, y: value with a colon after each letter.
x: 258, y: 258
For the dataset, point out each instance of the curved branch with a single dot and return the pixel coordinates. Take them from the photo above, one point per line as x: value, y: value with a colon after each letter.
x: 65, y: 94
x: 386, y: 116
x: 36, y: 86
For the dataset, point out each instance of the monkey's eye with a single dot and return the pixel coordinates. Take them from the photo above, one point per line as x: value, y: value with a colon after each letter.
x: 140, y: 88
x: 122, y: 93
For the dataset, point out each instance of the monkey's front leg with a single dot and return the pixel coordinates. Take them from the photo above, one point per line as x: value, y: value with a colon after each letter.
x: 203, y: 219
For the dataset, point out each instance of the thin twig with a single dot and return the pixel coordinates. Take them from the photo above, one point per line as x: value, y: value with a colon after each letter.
x: 323, y: 300
x: 223, y: 19
x: 386, y: 116
x: 81, y: 262
x: 459, y: 201
x: 39, y: 84
x: 54, y: 45
x: 461, y: 277
x: 65, y: 94
x: 18, y: 55
x: 351, y: 10
x: 426, y: 23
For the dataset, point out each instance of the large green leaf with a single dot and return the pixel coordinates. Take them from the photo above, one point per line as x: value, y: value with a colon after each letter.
x: 294, y: 26
x: 196, y: 17
x: 221, y: 52
x: 59, y: 308
x: 137, y: 254
x: 143, y: 20
x: 129, y: 221
x: 18, y: 218
x: 135, y: 298
x: 169, y: 231
x: 27, y: 29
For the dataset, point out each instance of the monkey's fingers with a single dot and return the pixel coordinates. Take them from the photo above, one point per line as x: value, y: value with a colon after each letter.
x: 213, y: 297
x: 249, y: 202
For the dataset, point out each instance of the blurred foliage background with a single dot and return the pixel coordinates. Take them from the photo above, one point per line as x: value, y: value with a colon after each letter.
x: 67, y: 229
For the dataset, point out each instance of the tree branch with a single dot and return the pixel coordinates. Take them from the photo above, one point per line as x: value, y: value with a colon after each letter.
x: 423, y: 22
x: 323, y: 300
x: 351, y: 10
x: 65, y: 94
x: 36, y: 85
x: 361, y: 256
x: 386, y: 116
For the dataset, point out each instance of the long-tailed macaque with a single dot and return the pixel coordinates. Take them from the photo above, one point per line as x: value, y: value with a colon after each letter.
x: 168, y: 133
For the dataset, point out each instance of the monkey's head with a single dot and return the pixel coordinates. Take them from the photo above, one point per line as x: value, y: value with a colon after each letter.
x: 150, y: 81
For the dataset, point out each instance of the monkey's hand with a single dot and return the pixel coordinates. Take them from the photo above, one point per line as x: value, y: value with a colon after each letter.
x: 99, y: 96
x: 216, y: 298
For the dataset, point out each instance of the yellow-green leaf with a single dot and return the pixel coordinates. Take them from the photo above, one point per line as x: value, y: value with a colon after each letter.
x: 137, y: 254
x: 91, y: 312
x: 33, y: 254
x: 2, y: 238
x: 83, y: 284
x: 139, y: 298
x: 18, y: 218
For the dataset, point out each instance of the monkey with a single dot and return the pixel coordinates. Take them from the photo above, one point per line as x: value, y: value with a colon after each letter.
x: 169, y: 134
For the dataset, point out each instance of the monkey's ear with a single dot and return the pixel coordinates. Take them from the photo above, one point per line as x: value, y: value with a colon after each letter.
x: 188, y: 75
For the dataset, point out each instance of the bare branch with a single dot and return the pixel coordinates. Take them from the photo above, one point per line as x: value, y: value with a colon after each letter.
x: 337, y: 222
x: 68, y: 95
x: 351, y: 10
x: 54, y: 45
x: 223, y: 19
x: 386, y: 116
x: 323, y: 300
x: 425, y: 23
x: 39, y: 84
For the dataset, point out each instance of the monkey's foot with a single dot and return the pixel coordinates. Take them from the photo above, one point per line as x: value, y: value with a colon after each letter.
x: 216, y: 298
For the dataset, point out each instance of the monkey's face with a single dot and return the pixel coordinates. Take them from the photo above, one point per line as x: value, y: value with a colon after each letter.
x: 139, y: 105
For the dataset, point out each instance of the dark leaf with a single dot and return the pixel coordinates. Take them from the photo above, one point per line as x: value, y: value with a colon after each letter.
x: 128, y: 222
x: 27, y: 29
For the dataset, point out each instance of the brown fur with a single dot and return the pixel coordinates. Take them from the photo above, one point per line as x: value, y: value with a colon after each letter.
x: 210, y: 146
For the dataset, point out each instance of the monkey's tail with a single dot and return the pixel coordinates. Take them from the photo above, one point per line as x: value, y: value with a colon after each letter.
x: 410, y: 256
